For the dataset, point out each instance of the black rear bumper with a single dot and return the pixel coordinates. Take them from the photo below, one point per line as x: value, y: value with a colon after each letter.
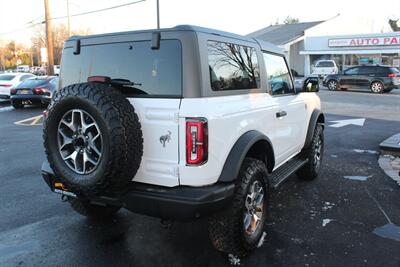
x: 34, y: 99
x: 176, y: 203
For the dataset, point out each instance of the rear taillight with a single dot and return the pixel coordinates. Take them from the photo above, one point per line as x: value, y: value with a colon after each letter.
x: 40, y: 91
x: 392, y: 75
x: 196, y: 141
x: 13, y: 92
x: 6, y: 85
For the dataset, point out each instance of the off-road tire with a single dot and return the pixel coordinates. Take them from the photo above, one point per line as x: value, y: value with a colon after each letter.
x: 122, y: 137
x: 17, y: 105
x: 93, y: 211
x: 311, y: 169
x: 226, y: 228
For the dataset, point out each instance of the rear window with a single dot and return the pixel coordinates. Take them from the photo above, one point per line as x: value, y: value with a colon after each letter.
x: 232, y: 66
x: 325, y: 64
x: 6, y: 77
x: 32, y: 83
x: 153, y: 72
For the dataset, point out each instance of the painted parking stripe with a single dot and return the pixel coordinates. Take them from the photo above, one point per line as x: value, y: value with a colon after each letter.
x: 30, y: 121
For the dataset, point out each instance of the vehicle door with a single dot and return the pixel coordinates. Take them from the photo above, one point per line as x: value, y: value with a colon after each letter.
x: 366, y: 73
x: 290, y: 114
x: 348, y: 77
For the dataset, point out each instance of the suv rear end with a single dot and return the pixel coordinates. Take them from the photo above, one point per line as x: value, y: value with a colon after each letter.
x: 158, y: 76
x: 325, y: 67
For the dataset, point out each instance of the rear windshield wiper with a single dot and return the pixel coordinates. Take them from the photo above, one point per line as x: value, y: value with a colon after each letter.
x: 125, y: 85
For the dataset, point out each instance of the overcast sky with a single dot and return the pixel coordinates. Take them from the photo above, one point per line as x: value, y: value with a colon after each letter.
x: 230, y: 15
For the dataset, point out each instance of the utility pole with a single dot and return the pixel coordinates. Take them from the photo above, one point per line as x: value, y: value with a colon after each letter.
x: 158, y: 14
x: 69, y: 19
x: 49, y: 36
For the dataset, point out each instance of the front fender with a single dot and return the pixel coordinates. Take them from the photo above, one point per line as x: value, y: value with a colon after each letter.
x: 316, y: 117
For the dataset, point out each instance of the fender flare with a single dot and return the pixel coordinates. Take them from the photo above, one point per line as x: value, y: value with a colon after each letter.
x: 239, y: 151
x: 316, y: 117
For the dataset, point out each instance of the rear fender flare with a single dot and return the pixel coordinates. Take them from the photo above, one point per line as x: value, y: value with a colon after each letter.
x: 239, y: 151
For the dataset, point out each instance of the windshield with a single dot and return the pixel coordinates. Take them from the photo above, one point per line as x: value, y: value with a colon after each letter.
x: 32, y: 83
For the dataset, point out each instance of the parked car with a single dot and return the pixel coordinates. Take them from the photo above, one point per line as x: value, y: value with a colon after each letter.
x: 179, y: 124
x: 9, y: 80
x: 32, y: 91
x: 324, y: 67
x: 57, y: 70
x: 23, y: 68
x: 378, y: 79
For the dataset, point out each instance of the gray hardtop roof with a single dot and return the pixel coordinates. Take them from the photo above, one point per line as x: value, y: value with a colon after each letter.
x: 263, y: 44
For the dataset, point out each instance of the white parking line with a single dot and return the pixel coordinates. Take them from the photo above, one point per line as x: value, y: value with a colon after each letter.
x: 6, y: 109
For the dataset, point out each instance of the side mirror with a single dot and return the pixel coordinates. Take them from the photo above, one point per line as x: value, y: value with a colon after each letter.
x: 310, y: 85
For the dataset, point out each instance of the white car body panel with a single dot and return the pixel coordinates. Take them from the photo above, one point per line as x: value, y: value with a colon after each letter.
x: 5, y: 91
x: 228, y: 118
x: 159, y: 163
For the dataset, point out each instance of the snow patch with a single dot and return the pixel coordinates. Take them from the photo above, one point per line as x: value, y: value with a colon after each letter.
x: 358, y: 177
x: 262, y: 239
x: 326, y: 221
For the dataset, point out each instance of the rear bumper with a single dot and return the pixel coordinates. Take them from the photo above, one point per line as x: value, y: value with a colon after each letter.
x: 182, y: 203
x: 34, y: 99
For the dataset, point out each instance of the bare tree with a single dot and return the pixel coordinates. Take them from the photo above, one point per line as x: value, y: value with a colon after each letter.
x: 291, y: 20
x: 60, y: 34
x: 239, y: 57
x: 394, y: 25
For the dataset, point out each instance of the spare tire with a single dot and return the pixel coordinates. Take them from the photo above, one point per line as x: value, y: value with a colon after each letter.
x: 92, y: 139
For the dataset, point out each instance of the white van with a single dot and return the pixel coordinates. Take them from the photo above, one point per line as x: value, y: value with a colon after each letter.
x: 325, y: 67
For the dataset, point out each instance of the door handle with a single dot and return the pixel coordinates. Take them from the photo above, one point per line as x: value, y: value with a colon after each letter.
x: 281, y: 114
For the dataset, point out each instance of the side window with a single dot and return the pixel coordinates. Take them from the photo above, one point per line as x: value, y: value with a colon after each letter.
x: 352, y: 71
x: 366, y: 70
x: 232, y: 66
x: 278, y: 75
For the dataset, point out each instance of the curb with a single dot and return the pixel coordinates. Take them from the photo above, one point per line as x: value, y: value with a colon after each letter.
x: 389, y: 160
x: 391, y: 146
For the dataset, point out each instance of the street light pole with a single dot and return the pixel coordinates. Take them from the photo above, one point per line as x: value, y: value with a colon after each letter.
x: 158, y: 14
x: 49, y: 37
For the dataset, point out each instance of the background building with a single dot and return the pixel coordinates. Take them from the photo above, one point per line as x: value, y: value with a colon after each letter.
x: 347, y: 41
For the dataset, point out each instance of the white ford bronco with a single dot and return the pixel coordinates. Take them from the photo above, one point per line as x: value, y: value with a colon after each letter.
x: 179, y: 124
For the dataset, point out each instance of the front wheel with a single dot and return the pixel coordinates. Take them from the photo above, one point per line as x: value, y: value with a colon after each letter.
x: 313, y: 154
x: 93, y: 211
x: 333, y: 85
x: 239, y: 227
x: 377, y: 87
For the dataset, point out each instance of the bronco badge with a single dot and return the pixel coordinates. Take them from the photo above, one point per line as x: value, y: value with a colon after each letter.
x: 165, y: 138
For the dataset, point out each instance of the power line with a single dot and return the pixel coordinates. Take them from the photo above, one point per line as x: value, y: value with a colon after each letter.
x: 73, y: 15
x: 99, y: 10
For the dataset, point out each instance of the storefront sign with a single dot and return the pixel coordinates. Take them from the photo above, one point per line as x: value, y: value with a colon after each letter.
x: 365, y: 41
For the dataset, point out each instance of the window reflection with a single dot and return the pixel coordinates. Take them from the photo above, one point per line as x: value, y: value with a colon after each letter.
x: 232, y: 66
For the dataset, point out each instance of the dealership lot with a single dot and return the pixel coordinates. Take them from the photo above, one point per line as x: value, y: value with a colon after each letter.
x: 326, y: 222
